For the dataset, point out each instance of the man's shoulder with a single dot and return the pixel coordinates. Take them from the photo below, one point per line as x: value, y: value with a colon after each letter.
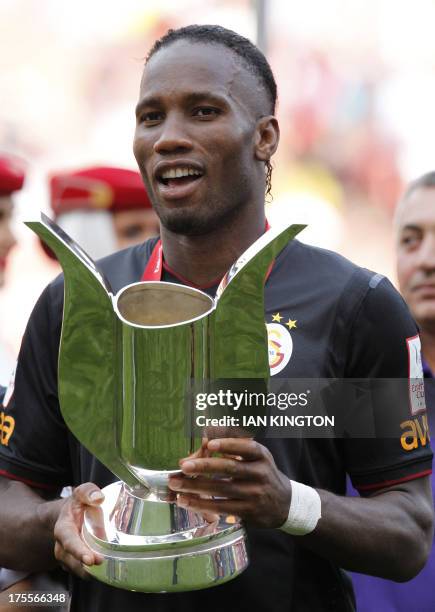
x: 326, y: 268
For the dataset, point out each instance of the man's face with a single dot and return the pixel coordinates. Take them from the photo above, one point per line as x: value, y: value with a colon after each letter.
x: 196, y: 120
x: 416, y: 254
x: 7, y: 239
x: 135, y: 226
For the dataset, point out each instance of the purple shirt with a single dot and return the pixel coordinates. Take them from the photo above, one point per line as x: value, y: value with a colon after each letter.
x: 418, y: 594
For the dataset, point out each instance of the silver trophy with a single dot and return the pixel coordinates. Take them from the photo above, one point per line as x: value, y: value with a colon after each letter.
x: 127, y: 364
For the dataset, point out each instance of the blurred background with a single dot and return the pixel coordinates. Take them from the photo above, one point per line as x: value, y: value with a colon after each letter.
x: 356, y: 98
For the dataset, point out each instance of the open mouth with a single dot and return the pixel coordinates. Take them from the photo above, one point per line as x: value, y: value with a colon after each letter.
x: 175, y: 177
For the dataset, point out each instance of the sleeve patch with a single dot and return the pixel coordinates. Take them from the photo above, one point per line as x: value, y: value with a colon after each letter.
x: 417, y: 402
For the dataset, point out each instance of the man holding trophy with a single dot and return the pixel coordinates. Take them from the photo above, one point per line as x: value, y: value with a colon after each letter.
x: 101, y: 411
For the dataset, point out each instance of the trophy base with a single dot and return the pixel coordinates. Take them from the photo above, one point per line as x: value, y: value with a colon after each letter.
x: 157, y: 547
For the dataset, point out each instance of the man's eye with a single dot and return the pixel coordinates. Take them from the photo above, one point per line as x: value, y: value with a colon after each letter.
x: 206, y: 111
x: 150, y: 117
x: 409, y: 241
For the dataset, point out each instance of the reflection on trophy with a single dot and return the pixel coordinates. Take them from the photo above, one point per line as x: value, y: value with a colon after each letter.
x: 127, y: 364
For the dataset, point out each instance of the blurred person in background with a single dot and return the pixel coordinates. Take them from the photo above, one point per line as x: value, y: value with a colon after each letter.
x: 104, y: 209
x: 11, y: 180
x: 415, y: 252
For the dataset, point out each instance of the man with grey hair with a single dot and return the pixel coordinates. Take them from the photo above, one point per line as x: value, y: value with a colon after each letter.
x: 415, y: 250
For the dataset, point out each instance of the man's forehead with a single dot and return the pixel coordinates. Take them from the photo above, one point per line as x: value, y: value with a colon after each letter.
x: 186, y: 67
x: 217, y: 58
x: 418, y: 208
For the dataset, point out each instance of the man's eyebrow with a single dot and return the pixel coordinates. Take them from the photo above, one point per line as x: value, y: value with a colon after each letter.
x: 200, y: 96
x: 190, y: 98
x: 410, y: 226
x: 152, y: 101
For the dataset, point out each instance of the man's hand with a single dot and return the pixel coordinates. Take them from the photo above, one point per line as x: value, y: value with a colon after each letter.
x: 245, y: 476
x: 70, y: 550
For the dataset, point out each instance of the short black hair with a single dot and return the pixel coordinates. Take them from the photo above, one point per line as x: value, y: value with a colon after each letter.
x: 426, y: 180
x: 252, y: 57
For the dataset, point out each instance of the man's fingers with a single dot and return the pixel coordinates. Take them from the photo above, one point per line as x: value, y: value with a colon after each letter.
x: 88, y: 493
x: 69, y: 544
x: 201, y: 452
x: 246, y: 448
x: 213, y: 487
x: 70, y: 564
x: 68, y: 541
x: 215, y: 506
x: 220, y: 466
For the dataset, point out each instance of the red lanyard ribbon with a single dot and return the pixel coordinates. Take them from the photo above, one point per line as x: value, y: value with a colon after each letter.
x: 154, y: 268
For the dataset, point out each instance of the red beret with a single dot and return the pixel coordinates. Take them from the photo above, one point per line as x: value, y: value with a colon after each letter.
x: 11, y: 174
x: 99, y: 187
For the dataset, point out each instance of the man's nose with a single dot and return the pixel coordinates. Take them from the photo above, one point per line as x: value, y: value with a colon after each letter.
x: 173, y: 137
x: 426, y: 254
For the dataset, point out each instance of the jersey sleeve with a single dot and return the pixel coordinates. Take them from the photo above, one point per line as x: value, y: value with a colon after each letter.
x: 384, y: 349
x: 34, y: 438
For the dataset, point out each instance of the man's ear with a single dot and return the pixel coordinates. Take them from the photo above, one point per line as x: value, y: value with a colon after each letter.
x: 266, y: 138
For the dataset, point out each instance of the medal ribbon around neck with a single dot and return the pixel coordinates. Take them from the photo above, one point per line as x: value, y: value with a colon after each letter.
x: 154, y: 268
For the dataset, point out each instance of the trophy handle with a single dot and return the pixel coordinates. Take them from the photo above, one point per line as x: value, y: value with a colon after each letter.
x: 240, y: 309
x: 89, y: 352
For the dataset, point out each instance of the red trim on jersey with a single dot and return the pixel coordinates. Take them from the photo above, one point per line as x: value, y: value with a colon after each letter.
x: 389, y: 483
x: 156, y: 264
x: 31, y: 483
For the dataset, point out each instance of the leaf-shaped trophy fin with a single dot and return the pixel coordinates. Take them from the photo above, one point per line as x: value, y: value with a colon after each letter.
x: 90, y: 358
x: 240, y: 309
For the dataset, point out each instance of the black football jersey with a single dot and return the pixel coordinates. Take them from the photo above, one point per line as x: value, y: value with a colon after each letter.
x: 326, y: 318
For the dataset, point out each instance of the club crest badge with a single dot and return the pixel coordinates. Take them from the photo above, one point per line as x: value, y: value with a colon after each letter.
x: 280, y: 343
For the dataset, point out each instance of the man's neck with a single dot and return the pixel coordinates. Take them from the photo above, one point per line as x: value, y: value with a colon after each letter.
x: 204, y: 259
x: 428, y: 347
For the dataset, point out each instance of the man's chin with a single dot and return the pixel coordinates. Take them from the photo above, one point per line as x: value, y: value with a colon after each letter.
x: 186, y: 226
x: 195, y: 220
x: 424, y: 314
x: 190, y: 222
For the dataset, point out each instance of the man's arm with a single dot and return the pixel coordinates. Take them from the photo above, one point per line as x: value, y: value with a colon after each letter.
x: 388, y: 534
x: 26, y: 527
x: 38, y: 534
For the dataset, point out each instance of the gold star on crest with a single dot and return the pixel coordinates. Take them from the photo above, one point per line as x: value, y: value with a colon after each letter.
x: 291, y: 324
x: 276, y: 318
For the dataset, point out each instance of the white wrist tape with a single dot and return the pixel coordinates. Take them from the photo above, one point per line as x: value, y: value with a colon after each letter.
x: 305, y: 510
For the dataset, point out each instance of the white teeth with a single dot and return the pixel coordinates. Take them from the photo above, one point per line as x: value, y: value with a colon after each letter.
x: 179, y: 172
